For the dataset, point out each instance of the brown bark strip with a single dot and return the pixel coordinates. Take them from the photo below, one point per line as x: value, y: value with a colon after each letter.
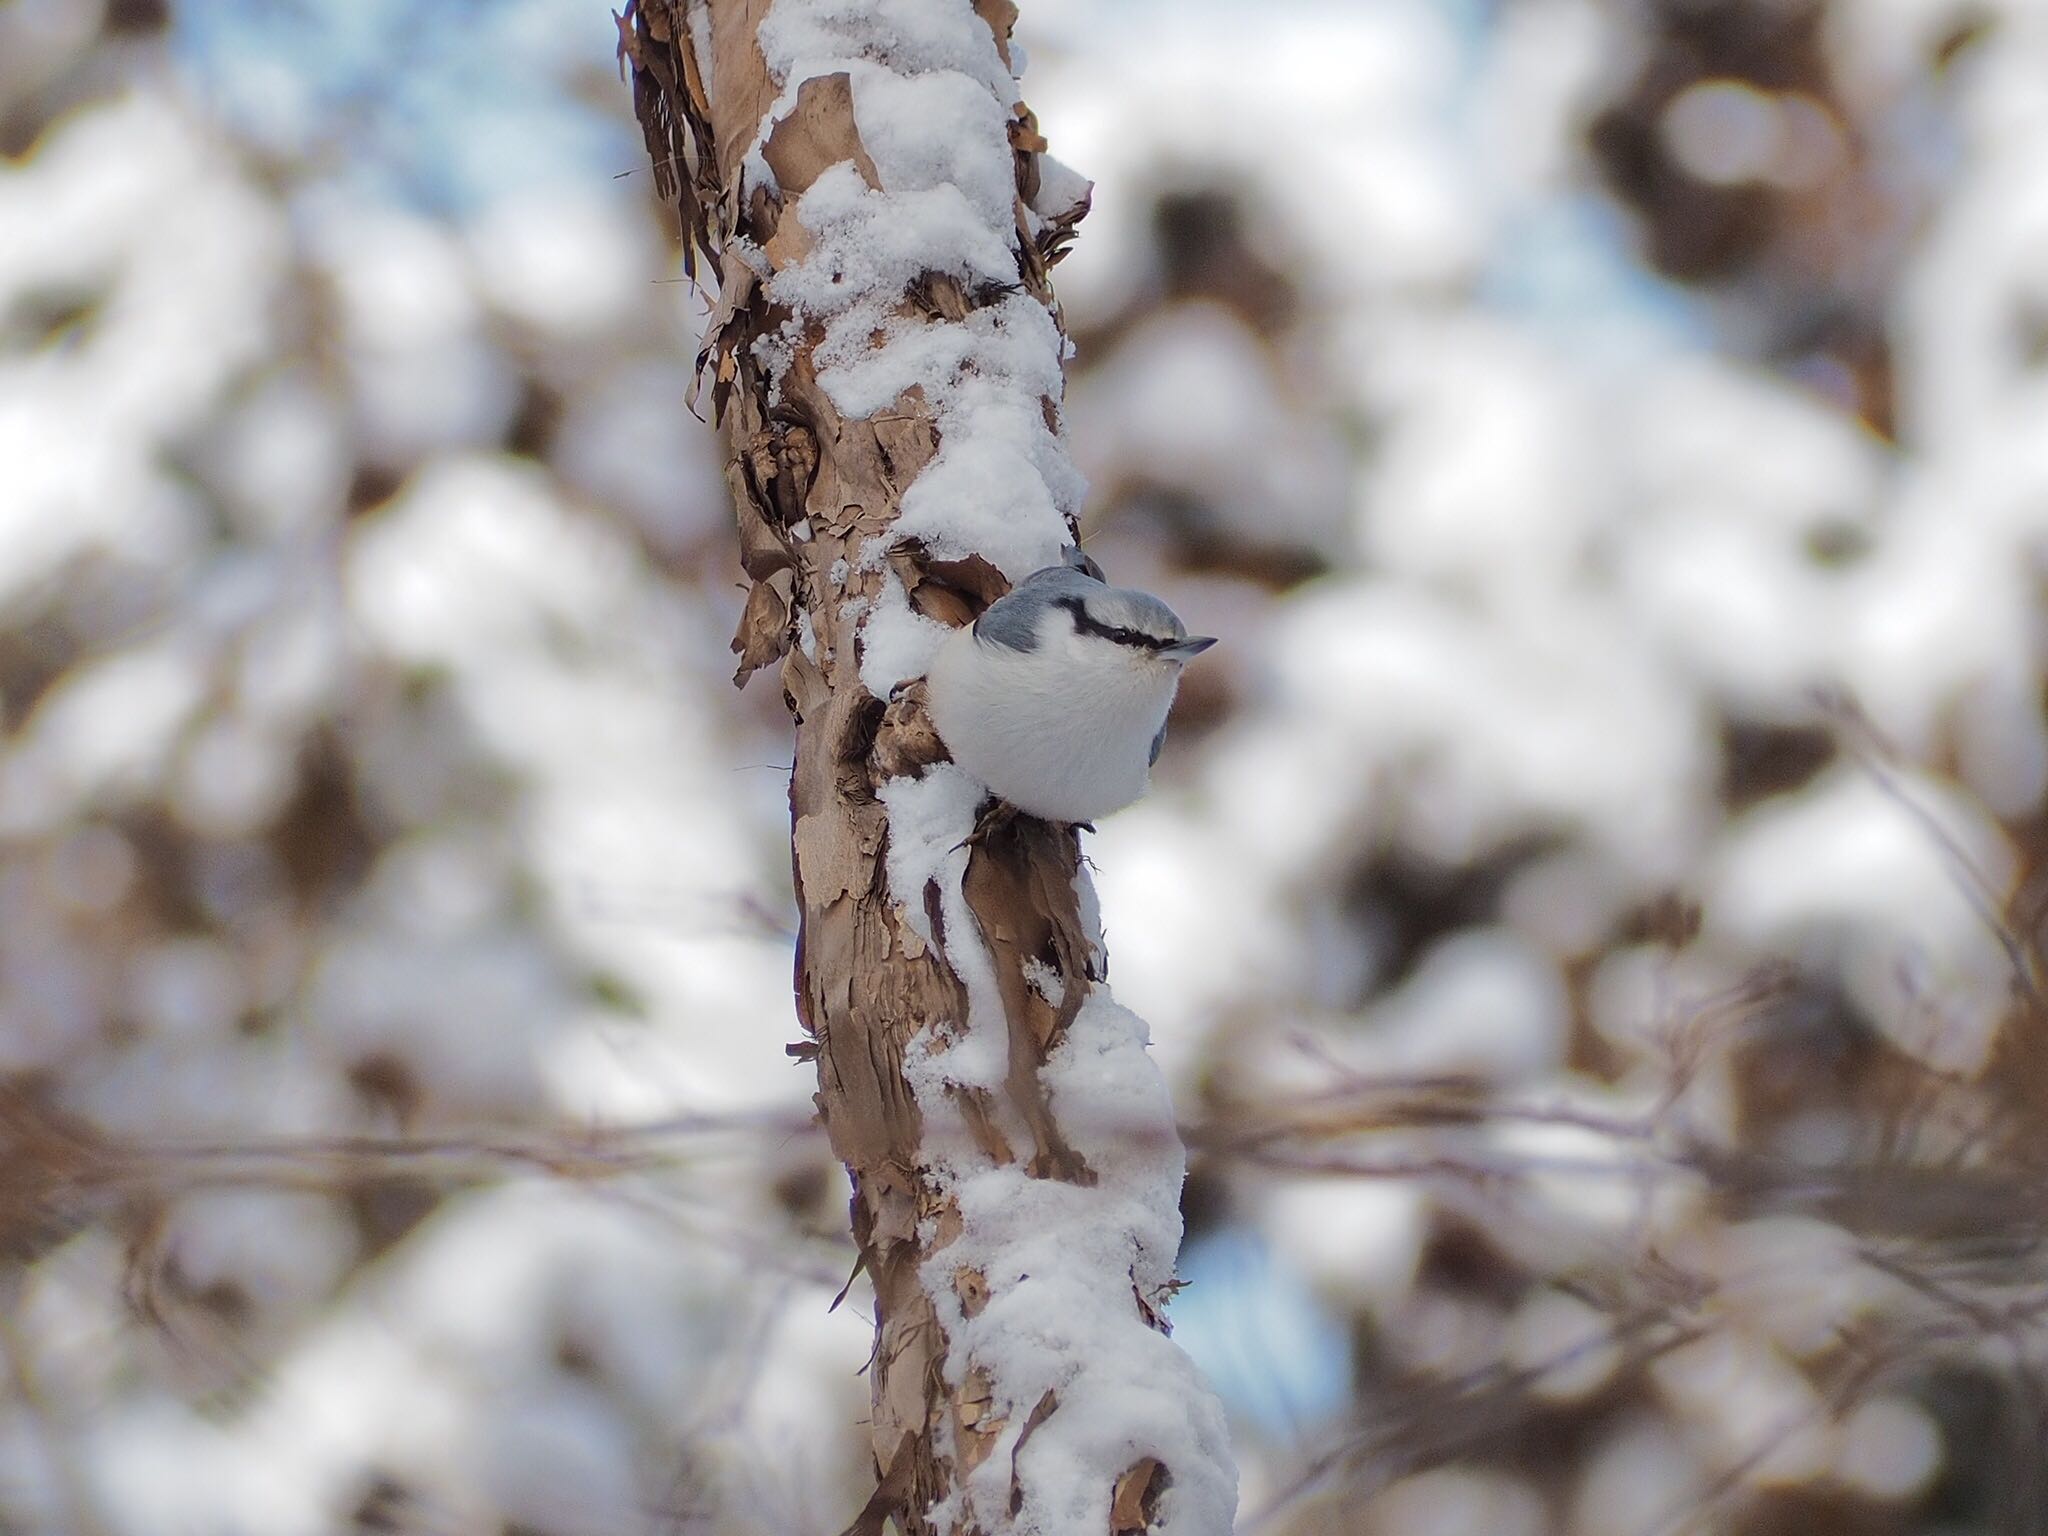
x: 1137, y: 1497
x: 810, y: 488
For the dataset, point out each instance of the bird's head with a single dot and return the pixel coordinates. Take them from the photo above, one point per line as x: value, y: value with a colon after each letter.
x: 1136, y: 622
x: 1083, y: 612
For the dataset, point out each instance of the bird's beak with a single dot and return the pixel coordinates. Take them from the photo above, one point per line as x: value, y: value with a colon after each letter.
x: 1187, y: 650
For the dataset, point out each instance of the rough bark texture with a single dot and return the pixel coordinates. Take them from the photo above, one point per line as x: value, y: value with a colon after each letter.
x: 811, y: 489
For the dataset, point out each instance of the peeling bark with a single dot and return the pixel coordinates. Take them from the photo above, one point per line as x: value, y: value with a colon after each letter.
x: 812, y: 490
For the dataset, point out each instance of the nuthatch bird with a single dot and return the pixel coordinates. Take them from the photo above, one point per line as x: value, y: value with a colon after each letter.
x: 1056, y: 697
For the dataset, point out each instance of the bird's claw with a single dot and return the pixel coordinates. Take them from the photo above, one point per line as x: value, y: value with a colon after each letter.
x: 999, y: 814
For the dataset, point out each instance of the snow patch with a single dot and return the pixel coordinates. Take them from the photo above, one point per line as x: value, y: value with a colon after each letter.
x: 1051, y: 1253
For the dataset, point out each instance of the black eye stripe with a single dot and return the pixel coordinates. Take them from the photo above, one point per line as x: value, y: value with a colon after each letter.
x: 1115, y: 633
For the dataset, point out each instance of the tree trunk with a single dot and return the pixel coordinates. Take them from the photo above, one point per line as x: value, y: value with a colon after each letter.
x: 885, y: 354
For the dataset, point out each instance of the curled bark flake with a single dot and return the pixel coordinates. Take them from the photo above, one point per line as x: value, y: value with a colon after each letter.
x: 906, y: 439
x: 977, y: 1109
x: 745, y: 90
x: 764, y: 548
x: 774, y: 469
x: 940, y: 296
x: 830, y: 859
x: 804, y: 688
x: 1057, y: 235
x: 763, y: 634
x: 817, y: 134
x: 1019, y: 886
x: 675, y: 122
x: 973, y: 577
x: 890, y: 1201
x: 1001, y: 19
x: 891, y: 1495
x: 1040, y: 1412
x: 1154, y: 1317
x: 1024, y: 135
x: 970, y: 1287
x: 786, y: 242
x: 907, y: 743
x: 1136, y: 1503
x: 977, y: 1425
x: 947, y: 1224
x: 719, y: 351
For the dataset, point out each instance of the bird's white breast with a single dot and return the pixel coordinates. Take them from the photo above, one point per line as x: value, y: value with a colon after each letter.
x: 1064, y: 731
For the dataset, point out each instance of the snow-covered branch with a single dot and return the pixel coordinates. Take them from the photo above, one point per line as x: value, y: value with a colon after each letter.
x: 886, y: 355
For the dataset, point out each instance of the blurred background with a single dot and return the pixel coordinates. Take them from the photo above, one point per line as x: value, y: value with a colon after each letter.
x: 1588, y: 914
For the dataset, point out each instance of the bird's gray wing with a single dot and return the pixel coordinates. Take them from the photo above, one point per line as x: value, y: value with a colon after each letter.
x: 1158, y: 745
x: 1010, y: 623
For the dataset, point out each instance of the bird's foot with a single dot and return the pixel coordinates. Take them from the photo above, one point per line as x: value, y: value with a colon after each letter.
x: 999, y: 815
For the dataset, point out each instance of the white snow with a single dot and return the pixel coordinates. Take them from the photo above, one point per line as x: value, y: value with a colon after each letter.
x: 1052, y: 1252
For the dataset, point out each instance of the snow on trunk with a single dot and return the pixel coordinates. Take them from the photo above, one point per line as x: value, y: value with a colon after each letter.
x: 885, y: 353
